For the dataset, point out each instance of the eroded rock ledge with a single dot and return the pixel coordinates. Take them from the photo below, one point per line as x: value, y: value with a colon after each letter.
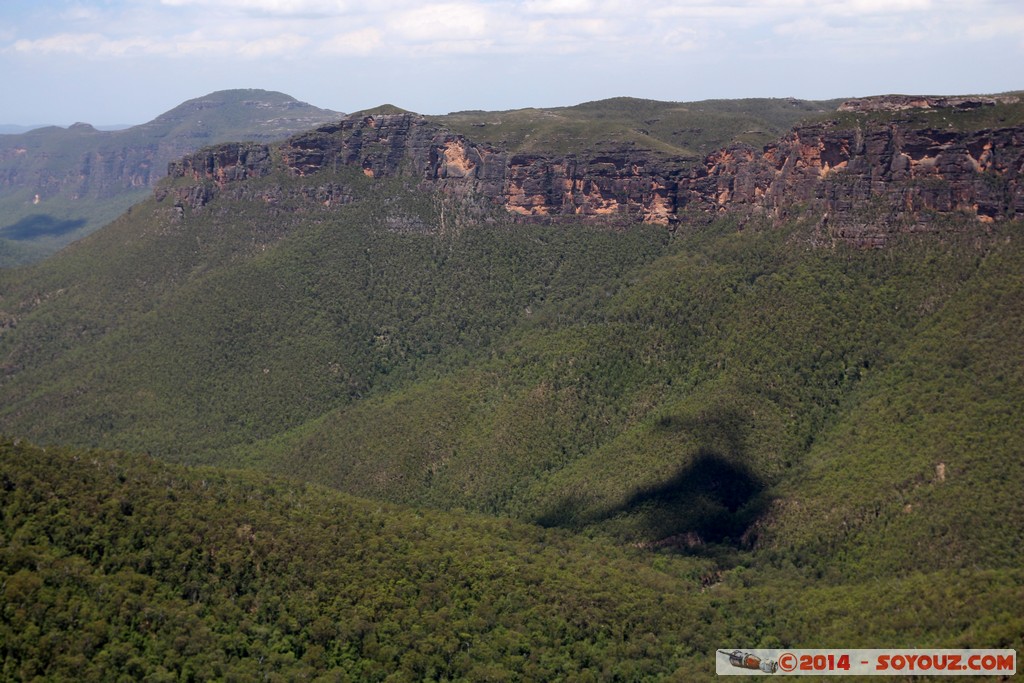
x: 867, y: 182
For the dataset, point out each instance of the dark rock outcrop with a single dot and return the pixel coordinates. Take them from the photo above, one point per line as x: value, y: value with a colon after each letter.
x: 216, y: 169
x: 224, y: 163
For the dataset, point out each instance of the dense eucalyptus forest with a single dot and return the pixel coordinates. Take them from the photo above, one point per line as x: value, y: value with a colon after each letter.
x: 341, y: 426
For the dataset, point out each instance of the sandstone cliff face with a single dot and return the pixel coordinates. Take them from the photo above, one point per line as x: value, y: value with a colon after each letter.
x: 216, y: 169
x: 869, y: 183
x: 630, y: 183
x: 399, y: 144
x: 866, y: 183
x: 223, y: 164
x: 211, y: 169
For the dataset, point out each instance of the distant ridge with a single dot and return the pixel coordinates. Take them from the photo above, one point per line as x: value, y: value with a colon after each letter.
x: 15, y: 129
x: 84, y: 176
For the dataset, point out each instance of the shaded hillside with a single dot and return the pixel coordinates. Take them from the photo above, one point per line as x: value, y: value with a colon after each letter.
x: 58, y: 184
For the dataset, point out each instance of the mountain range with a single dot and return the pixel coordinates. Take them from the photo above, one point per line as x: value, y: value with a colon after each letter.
x: 585, y: 393
x: 59, y: 184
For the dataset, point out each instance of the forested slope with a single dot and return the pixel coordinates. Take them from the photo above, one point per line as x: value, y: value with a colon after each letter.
x: 118, y: 567
x: 599, y: 376
x: 625, y: 445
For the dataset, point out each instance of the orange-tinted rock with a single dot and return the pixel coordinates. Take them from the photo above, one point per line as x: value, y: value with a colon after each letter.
x: 867, y: 182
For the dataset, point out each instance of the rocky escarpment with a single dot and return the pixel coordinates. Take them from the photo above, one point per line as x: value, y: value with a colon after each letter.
x: 869, y: 182
x: 211, y: 169
x: 223, y: 164
x: 866, y: 181
x: 635, y: 184
x: 209, y: 172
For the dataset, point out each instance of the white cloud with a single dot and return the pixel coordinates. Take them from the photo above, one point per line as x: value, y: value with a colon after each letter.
x: 441, y: 23
x: 80, y: 13
x: 119, y: 48
x: 988, y: 30
x: 196, y: 43
x: 705, y: 10
x: 66, y: 43
x: 361, y: 42
x: 191, y: 45
x: 681, y: 39
x: 874, y: 7
x: 802, y: 27
x: 558, y: 6
x: 595, y: 28
x: 276, y: 46
x: 255, y: 29
x: 278, y: 7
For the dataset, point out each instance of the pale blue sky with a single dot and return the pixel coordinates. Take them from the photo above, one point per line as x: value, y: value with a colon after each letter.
x: 126, y: 61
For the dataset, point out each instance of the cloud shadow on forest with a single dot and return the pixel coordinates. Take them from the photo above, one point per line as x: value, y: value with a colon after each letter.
x: 42, y: 225
x: 712, y: 498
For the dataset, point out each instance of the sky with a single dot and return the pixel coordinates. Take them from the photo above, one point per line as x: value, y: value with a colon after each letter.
x: 127, y: 61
